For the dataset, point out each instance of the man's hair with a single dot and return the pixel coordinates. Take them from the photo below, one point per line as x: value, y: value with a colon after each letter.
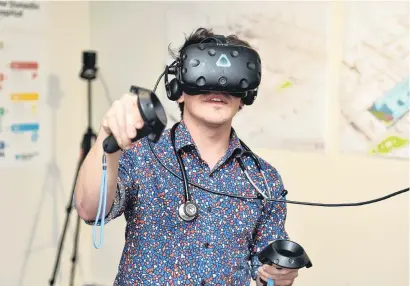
x: 198, y: 36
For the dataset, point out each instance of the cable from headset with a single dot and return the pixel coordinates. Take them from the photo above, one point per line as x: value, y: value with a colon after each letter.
x: 158, y: 80
x: 345, y: 204
x: 276, y: 200
x: 163, y: 73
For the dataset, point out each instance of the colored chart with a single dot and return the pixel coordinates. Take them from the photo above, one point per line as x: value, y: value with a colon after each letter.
x: 23, y: 134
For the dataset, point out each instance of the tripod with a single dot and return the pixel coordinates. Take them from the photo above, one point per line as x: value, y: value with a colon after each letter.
x: 88, y: 73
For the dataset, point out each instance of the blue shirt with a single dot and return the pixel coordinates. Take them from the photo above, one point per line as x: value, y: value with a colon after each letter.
x: 220, y: 246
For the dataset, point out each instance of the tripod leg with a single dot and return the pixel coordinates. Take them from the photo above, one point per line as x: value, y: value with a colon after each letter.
x: 86, y: 146
x: 67, y: 219
x: 74, y: 257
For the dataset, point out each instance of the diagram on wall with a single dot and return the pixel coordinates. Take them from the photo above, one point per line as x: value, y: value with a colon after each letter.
x: 374, y: 84
x: 289, y: 112
x: 23, y: 61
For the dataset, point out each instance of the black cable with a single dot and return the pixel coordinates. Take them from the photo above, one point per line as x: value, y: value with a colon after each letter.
x: 162, y: 74
x: 280, y: 201
x: 350, y: 204
x: 159, y: 78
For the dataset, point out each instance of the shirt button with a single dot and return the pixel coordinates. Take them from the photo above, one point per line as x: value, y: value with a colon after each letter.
x: 203, y: 282
x: 209, y: 209
x: 206, y: 244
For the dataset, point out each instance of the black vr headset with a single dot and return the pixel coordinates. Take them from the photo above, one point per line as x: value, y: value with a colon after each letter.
x: 215, y: 66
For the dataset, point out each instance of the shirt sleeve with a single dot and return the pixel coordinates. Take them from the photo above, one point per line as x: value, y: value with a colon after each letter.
x: 124, y: 187
x: 271, y: 224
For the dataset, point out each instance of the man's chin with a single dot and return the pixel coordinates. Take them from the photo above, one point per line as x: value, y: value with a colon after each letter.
x: 215, y: 121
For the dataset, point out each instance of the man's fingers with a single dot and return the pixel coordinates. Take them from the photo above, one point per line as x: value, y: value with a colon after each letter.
x: 263, y: 274
x: 122, y: 120
x: 282, y: 277
x: 130, y: 117
x: 275, y: 270
x: 119, y: 110
x: 138, y: 121
x: 114, y: 128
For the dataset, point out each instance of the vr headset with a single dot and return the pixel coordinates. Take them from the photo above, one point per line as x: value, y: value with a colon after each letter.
x: 215, y: 66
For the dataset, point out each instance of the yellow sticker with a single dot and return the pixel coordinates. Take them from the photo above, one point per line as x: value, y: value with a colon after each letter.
x: 286, y: 84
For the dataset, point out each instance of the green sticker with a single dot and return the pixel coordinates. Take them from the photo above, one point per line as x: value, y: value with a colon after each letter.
x: 286, y: 84
x: 389, y: 144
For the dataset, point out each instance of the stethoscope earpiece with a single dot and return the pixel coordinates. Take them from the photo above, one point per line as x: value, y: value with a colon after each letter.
x: 188, y: 211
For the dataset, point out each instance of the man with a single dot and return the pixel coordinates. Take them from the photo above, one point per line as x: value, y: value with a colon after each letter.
x: 220, y: 246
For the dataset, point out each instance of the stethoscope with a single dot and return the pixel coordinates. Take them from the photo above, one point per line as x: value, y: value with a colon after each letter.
x: 188, y: 210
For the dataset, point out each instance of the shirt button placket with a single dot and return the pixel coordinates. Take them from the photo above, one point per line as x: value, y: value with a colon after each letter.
x: 207, y: 231
x: 209, y: 226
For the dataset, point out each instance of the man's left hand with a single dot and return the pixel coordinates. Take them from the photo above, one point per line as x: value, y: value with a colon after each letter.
x: 282, y: 277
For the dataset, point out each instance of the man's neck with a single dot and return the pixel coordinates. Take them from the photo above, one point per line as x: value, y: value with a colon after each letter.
x: 212, y: 141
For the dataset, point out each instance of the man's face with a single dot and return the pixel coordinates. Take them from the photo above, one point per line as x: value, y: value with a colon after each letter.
x: 213, y: 108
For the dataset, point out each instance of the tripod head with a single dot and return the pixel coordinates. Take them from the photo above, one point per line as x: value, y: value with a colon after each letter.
x: 89, y: 70
x: 89, y: 73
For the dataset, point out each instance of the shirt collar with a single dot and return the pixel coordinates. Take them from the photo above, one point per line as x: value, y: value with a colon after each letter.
x: 183, y: 137
x: 183, y: 140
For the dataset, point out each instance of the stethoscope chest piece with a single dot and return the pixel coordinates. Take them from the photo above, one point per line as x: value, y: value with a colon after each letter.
x: 188, y: 211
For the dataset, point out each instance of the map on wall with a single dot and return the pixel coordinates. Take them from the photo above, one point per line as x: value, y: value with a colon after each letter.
x: 289, y: 112
x: 23, y: 63
x: 374, y: 84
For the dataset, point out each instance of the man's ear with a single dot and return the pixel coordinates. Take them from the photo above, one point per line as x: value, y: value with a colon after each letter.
x: 181, y: 98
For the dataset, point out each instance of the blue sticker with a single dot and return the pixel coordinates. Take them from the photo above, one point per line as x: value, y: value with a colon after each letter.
x: 393, y: 105
x: 24, y: 127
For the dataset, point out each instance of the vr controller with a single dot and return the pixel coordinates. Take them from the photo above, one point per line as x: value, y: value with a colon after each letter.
x: 214, y: 66
x: 284, y: 254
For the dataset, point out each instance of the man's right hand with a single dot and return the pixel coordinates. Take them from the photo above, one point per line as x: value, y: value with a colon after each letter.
x: 122, y: 120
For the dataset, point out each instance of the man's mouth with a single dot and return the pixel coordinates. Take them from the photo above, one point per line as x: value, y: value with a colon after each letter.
x: 218, y: 99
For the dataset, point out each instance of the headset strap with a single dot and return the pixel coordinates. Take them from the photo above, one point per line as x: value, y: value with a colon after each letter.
x: 219, y: 39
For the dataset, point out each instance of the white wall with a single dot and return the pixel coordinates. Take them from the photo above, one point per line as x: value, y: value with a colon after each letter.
x: 130, y: 40
x: 348, y: 246
x: 28, y: 192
